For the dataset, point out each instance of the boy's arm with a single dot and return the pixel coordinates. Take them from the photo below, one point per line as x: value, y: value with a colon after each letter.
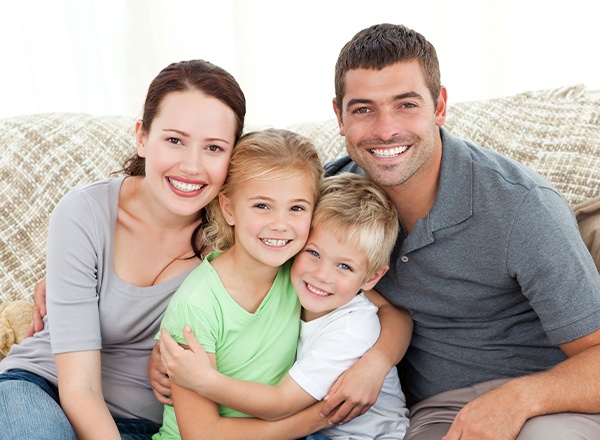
x: 198, y: 418
x: 358, y: 388
x: 192, y: 369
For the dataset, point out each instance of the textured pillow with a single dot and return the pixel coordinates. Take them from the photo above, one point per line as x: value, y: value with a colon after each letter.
x: 41, y: 157
x: 556, y: 132
x: 588, y: 218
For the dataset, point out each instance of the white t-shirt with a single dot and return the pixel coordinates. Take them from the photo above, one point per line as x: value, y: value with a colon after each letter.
x: 328, y: 346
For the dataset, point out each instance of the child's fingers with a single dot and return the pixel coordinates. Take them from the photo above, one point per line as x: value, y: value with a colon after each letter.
x: 191, y: 341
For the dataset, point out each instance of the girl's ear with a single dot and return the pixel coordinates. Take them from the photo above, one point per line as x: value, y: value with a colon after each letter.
x: 140, y: 138
x: 374, y: 279
x: 225, y: 204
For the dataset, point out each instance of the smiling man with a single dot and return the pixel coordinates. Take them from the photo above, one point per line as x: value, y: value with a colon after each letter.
x: 504, y: 295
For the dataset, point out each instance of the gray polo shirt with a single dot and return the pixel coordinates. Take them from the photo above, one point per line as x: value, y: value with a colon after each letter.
x: 495, y: 276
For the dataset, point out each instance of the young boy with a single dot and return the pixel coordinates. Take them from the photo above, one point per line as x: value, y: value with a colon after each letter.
x: 353, y: 231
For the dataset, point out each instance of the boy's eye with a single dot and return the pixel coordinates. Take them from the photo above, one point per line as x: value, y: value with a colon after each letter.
x: 344, y: 267
x: 313, y: 253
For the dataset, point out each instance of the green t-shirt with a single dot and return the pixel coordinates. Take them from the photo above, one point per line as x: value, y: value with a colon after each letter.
x: 259, y: 346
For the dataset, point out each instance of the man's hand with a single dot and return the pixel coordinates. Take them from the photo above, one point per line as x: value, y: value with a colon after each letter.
x: 495, y: 415
x: 39, y: 308
x: 355, y: 391
x: 159, y: 381
x: 187, y: 367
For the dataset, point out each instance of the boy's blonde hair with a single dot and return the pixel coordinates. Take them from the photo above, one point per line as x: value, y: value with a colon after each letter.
x: 358, y: 212
x: 269, y: 154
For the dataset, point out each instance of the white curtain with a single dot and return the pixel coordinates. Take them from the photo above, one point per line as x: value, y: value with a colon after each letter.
x: 98, y: 56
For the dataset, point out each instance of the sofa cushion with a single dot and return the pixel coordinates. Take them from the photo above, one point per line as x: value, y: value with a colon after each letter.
x: 588, y: 218
x: 41, y: 157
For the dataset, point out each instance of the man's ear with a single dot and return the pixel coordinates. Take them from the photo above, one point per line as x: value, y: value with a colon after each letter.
x: 338, y: 115
x: 225, y: 205
x: 441, y: 106
x: 374, y: 279
x: 140, y: 138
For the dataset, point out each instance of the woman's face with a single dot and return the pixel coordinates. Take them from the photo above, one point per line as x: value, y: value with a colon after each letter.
x: 187, y: 151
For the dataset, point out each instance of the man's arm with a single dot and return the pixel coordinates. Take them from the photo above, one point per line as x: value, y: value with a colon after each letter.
x: 571, y: 386
x: 192, y: 369
x: 358, y: 388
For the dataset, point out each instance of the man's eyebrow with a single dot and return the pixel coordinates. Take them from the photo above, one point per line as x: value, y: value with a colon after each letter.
x: 358, y: 101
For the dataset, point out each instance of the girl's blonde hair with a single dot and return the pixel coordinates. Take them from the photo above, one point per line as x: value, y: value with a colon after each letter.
x: 262, y: 155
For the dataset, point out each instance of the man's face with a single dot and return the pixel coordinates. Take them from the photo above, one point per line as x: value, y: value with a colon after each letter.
x: 391, y: 122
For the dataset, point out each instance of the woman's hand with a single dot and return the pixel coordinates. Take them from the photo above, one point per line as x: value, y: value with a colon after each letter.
x: 39, y: 308
x: 159, y: 380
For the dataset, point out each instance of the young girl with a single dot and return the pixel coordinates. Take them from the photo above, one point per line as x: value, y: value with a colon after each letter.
x: 117, y: 251
x: 240, y: 303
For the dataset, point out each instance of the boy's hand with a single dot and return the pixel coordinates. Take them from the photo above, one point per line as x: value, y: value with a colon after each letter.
x: 188, y: 366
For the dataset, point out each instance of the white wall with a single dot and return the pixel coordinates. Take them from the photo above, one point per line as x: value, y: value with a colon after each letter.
x: 98, y: 56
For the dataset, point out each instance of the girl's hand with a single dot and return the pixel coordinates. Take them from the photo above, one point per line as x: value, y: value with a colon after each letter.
x: 188, y: 367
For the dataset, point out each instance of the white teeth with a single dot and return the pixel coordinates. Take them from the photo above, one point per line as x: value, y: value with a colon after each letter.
x: 186, y: 187
x: 389, y: 152
x: 316, y: 291
x: 274, y: 243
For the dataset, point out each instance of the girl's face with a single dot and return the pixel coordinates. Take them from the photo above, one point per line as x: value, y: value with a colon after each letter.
x: 187, y: 151
x: 271, y: 218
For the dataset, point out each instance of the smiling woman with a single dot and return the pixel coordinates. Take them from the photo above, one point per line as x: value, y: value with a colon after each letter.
x: 117, y: 251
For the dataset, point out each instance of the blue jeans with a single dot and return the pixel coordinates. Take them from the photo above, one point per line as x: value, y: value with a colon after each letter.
x: 30, y: 408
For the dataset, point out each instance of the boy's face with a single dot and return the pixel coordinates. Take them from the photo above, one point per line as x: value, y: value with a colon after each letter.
x: 327, y: 273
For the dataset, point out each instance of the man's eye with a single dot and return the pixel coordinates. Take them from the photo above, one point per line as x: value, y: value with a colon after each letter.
x: 361, y: 110
x: 408, y: 105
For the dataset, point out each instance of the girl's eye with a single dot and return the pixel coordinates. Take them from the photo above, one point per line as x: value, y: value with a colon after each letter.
x: 344, y: 267
x: 214, y: 148
x: 260, y: 206
x: 297, y: 208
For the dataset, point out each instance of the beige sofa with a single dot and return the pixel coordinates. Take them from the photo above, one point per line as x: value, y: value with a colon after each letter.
x: 556, y: 132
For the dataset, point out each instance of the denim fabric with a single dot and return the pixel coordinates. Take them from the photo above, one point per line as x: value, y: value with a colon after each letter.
x: 316, y: 436
x: 30, y: 409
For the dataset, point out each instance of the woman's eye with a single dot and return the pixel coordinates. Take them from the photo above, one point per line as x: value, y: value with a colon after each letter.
x: 214, y: 148
x: 175, y: 141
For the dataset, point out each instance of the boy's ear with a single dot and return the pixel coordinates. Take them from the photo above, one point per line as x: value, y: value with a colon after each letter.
x: 373, y: 279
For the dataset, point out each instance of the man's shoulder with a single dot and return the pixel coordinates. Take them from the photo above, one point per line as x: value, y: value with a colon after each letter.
x: 342, y: 165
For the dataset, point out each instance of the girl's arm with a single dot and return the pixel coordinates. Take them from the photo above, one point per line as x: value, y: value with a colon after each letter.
x: 80, y: 390
x: 358, y: 388
x: 198, y: 418
x: 192, y: 369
